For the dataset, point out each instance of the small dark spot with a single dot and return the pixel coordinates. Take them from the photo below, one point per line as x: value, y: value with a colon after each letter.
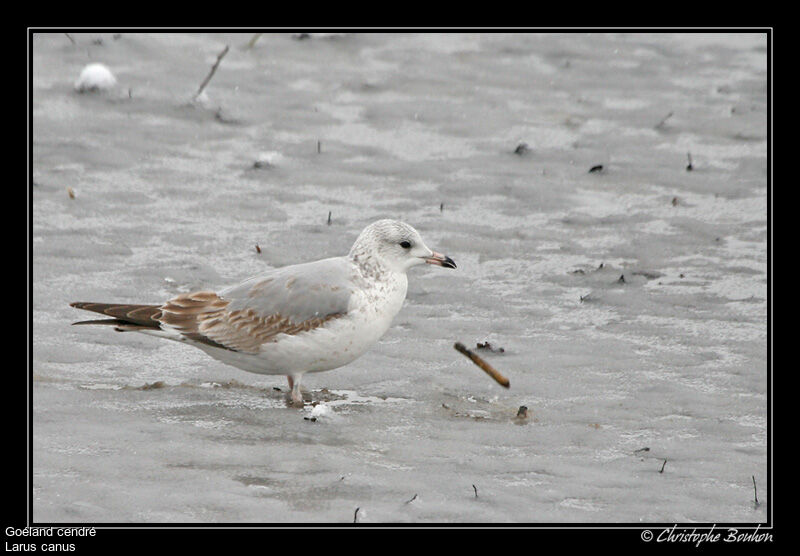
x: 648, y: 275
x: 277, y: 389
x: 97, y: 42
x: 689, y: 166
x: 312, y: 419
x: 579, y: 271
x: 674, y: 201
x: 258, y: 249
x: 441, y: 207
x: 681, y: 275
x: 487, y: 346
x: 302, y: 37
x: 621, y: 279
x: 521, y: 149
x: 596, y: 168
x: 522, y: 412
x: 601, y: 266
x: 224, y: 119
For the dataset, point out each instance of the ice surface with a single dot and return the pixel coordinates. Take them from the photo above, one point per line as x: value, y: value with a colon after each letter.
x: 129, y: 428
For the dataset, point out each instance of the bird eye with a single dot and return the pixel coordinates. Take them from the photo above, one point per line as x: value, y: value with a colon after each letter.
x: 405, y: 244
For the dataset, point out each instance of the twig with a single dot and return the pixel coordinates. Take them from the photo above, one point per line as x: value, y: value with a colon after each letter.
x: 355, y: 516
x: 755, y: 492
x: 441, y: 207
x: 319, y: 147
x: 663, y: 121
x: 689, y: 166
x: 254, y: 40
x: 476, y: 490
x: 662, y: 466
x: 329, y: 218
x: 409, y: 501
x: 488, y: 369
x: 71, y: 39
x: 211, y: 73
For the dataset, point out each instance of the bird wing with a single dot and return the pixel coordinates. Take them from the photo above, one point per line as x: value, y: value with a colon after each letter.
x: 288, y: 300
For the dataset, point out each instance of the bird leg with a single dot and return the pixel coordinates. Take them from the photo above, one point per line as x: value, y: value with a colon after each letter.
x: 297, y: 397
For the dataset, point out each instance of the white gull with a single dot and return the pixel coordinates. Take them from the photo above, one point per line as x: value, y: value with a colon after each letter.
x: 293, y: 320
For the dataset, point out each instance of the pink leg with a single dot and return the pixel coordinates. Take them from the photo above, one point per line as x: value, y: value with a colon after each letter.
x: 297, y: 397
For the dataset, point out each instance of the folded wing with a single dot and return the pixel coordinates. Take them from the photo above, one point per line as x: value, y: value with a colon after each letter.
x: 287, y: 300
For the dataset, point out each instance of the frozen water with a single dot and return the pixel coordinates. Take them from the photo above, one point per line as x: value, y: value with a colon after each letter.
x: 128, y: 428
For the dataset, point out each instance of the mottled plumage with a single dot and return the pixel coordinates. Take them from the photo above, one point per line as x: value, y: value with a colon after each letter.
x: 302, y: 318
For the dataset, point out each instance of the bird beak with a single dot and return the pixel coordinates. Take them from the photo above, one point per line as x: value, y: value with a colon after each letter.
x: 440, y: 260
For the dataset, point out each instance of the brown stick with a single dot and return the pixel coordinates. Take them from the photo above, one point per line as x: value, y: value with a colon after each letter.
x: 488, y: 369
x: 211, y: 73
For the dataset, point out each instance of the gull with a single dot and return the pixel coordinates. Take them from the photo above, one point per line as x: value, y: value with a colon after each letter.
x: 293, y: 320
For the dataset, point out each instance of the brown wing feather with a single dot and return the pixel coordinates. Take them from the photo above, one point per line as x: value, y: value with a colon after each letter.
x: 204, y: 317
x: 142, y: 315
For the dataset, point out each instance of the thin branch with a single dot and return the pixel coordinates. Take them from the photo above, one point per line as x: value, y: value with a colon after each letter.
x: 660, y: 124
x: 755, y: 492
x: 254, y: 40
x: 211, y: 73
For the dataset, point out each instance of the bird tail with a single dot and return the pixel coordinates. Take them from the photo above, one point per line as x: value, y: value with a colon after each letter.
x: 125, y: 317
